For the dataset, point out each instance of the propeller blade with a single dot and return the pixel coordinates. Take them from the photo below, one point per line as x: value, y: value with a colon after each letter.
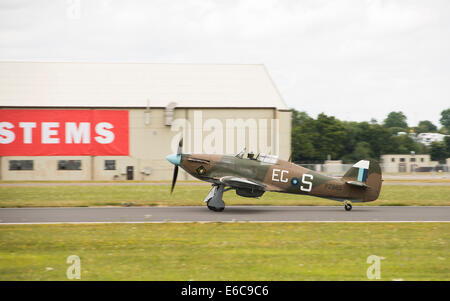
x: 180, y: 147
x: 174, y: 180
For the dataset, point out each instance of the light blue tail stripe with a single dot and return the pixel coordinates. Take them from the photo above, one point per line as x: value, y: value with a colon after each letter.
x: 360, y: 174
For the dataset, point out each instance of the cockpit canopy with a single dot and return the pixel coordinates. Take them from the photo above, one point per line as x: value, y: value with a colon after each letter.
x: 270, y: 159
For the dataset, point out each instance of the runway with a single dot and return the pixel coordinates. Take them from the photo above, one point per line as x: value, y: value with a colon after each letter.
x: 231, y: 214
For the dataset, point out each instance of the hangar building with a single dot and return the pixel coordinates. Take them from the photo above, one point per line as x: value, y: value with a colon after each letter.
x: 118, y: 121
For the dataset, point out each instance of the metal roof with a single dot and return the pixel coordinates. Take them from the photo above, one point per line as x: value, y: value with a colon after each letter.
x: 49, y: 84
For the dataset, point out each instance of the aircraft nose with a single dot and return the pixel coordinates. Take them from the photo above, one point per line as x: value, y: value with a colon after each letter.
x: 175, y: 159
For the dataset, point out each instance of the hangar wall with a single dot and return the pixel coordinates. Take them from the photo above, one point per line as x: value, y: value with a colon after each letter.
x: 151, y: 143
x: 220, y: 108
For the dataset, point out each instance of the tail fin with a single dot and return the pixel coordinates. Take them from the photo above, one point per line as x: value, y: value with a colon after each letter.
x: 365, y: 173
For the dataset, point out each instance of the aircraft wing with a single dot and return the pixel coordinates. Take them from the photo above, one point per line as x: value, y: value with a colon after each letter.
x: 357, y: 183
x: 241, y: 183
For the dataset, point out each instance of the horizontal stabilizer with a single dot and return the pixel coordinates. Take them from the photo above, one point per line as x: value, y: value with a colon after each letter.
x: 357, y: 183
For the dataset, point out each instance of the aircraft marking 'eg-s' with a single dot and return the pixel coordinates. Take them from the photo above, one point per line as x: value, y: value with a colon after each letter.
x: 252, y: 176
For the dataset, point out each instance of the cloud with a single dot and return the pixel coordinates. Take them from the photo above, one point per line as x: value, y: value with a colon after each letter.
x: 350, y: 58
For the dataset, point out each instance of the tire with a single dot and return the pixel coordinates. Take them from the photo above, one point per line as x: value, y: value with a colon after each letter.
x: 214, y: 208
x: 348, y: 207
x: 210, y: 207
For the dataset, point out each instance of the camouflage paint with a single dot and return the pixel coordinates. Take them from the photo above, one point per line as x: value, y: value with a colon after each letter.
x: 285, y: 176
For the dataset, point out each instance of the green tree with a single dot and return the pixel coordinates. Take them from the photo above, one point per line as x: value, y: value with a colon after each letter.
x: 395, y: 130
x: 353, y: 131
x: 447, y: 145
x: 362, y: 151
x: 329, y: 137
x: 438, y: 151
x: 299, y: 117
x: 445, y: 119
x: 404, y: 144
x: 301, y: 140
x: 425, y: 126
x: 302, y: 146
x: 396, y: 120
x: 314, y: 139
x: 379, y: 138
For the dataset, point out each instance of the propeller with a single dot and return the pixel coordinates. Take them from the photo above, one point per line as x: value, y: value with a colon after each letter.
x: 174, y: 179
x: 180, y: 146
x: 175, y: 171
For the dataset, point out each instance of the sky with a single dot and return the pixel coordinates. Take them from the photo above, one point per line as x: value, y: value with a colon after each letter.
x: 353, y: 59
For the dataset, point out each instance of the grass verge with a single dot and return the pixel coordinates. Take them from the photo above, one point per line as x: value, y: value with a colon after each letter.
x: 68, y: 196
x: 218, y: 251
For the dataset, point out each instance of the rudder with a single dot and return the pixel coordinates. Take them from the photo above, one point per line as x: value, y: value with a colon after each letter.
x: 369, y: 173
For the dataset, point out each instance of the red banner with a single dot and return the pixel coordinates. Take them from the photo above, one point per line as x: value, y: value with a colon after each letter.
x: 63, y: 133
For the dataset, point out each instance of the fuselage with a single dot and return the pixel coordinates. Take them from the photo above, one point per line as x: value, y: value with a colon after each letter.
x: 278, y: 176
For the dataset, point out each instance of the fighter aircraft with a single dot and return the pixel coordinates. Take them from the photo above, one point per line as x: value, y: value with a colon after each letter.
x: 252, y: 175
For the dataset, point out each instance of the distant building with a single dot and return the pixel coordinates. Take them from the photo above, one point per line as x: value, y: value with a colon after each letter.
x: 407, y: 163
x: 428, y: 138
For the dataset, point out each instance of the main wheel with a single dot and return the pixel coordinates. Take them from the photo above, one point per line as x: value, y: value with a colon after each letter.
x: 214, y: 208
x: 348, y: 207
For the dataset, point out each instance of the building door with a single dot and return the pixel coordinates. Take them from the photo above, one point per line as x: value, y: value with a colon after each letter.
x: 130, y: 172
x: 402, y: 167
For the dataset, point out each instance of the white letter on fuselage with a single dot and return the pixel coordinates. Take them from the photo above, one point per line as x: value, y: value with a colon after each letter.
x: 27, y: 131
x: 47, y: 132
x: 275, y: 173
x: 304, y: 181
x: 282, y: 178
x: 6, y: 136
x: 81, y: 134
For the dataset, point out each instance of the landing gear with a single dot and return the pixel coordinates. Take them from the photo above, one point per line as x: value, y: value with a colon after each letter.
x: 216, y: 209
x: 214, y: 198
x: 347, y: 206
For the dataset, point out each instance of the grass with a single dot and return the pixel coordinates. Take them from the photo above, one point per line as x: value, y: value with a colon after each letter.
x: 45, y: 196
x: 218, y: 251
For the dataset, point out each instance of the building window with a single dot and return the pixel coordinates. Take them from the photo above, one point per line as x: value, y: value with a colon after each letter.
x: 110, y: 164
x: 21, y: 164
x: 422, y: 160
x: 412, y: 160
x: 393, y: 160
x: 69, y: 164
x: 402, y: 159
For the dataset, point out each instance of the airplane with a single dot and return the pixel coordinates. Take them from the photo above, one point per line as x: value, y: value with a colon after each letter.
x: 252, y: 176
